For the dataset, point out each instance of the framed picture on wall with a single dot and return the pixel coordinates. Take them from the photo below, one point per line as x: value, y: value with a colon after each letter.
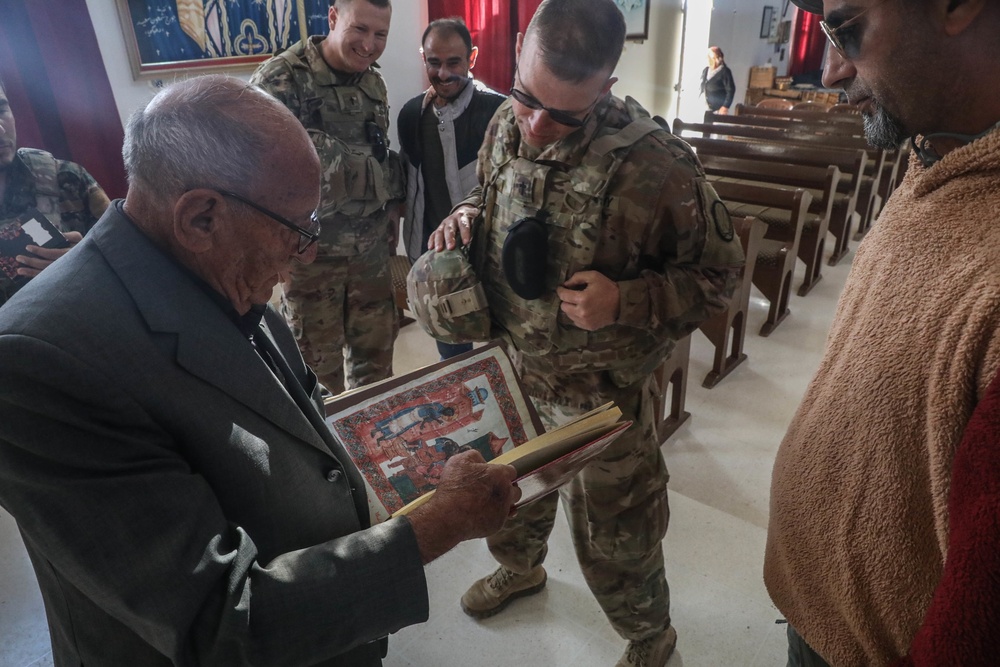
x: 166, y: 36
x: 636, y: 18
x: 765, y: 22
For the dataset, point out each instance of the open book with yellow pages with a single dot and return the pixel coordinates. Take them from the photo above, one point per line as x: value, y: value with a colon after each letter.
x: 401, y: 431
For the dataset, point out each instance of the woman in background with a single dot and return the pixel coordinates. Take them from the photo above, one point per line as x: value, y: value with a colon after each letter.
x: 717, y: 83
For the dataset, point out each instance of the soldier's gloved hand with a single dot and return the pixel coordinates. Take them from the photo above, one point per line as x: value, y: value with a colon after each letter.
x: 32, y: 266
x: 590, y: 299
x: 473, y: 499
x: 458, y: 225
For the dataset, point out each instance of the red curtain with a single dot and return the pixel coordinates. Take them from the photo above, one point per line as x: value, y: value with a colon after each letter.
x: 494, y: 25
x: 809, y: 46
x: 58, y: 87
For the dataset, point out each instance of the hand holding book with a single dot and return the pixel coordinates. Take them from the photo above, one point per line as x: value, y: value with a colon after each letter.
x: 473, y: 499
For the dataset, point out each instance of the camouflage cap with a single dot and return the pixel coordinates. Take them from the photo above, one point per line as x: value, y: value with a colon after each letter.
x: 447, y: 299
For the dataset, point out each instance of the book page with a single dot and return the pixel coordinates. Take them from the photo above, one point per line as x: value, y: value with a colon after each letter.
x: 400, y: 432
x: 551, y: 459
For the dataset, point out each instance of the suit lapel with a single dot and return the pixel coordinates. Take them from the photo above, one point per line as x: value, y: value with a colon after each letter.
x: 209, y: 345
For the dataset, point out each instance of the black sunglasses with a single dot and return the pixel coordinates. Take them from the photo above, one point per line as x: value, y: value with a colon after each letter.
x: 567, y: 118
x: 307, y: 235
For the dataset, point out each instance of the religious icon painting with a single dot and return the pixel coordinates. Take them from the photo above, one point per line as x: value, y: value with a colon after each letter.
x: 164, y: 36
x: 401, y: 432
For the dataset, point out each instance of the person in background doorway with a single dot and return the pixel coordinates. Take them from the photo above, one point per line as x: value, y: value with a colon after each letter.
x: 717, y: 83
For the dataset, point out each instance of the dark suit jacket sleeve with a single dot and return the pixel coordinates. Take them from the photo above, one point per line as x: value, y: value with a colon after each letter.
x: 120, y: 519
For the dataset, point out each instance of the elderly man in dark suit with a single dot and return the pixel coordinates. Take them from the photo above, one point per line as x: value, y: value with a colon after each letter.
x: 161, y: 448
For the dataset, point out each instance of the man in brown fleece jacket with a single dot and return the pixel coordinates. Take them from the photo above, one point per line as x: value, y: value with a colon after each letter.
x: 860, y: 526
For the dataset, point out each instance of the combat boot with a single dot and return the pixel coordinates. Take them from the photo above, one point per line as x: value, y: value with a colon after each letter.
x: 491, y: 595
x: 652, y: 652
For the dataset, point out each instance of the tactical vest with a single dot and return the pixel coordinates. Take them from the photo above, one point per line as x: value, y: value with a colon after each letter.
x: 572, y: 204
x: 344, y: 112
x: 44, y: 172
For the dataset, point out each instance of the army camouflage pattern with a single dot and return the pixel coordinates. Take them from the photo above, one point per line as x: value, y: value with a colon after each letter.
x: 79, y: 200
x: 344, y: 307
x: 618, y: 514
x: 341, y: 306
x: 655, y: 237
x: 337, y: 108
x: 447, y: 299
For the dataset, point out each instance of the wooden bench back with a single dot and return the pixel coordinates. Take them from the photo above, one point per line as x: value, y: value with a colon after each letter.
x: 853, y: 130
x: 821, y: 116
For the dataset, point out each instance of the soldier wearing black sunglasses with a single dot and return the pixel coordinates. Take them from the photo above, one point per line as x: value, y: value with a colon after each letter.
x: 598, y: 244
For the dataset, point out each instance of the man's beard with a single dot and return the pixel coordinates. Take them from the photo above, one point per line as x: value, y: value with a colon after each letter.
x: 883, y: 130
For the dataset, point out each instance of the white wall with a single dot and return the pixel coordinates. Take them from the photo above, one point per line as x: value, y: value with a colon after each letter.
x: 401, y: 64
x: 648, y: 70
x: 736, y: 30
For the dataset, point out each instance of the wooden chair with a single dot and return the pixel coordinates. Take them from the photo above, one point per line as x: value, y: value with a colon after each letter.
x: 775, y: 103
x: 810, y: 106
x: 399, y: 267
x: 872, y: 197
x: 854, y: 166
x: 670, y: 384
x: 784, y: 211
x: 821, y: 116
x: 800, y: 123
x: 727, y: 330
x: 821, y: 183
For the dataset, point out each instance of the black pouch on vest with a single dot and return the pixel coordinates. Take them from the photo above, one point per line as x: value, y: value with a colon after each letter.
x: 524, y: 256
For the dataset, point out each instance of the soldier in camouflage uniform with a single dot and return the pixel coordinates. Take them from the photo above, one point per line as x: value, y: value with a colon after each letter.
x: 638, y: 251
x: 63, y: 191
x: 341, y: 305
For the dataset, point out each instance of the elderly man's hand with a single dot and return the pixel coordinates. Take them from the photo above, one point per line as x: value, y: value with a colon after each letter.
x: 32, y: 266
x: 590, y: 299
x: 473, y: 499
x: 458, y: 225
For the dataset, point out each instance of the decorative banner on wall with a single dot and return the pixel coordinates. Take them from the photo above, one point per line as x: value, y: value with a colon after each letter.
x: 176, y: 35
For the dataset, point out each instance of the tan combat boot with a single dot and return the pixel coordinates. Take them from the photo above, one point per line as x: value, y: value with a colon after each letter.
x: 490, y: 595
x: 652, y: 652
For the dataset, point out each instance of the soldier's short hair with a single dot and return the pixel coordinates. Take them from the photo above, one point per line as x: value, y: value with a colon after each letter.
x: 578, y: 38
x: 343, y: 3
x: 198, y: 136
x: 453, y: 24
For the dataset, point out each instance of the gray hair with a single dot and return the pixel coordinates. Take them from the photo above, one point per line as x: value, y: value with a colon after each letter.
x: 197, y: 133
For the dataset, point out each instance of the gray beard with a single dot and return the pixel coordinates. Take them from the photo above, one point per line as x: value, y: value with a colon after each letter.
x: 882, y: 130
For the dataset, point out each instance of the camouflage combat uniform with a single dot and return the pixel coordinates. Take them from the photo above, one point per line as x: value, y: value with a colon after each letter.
x: 342, y: 302
x: 632, y: 204
x: 61, y: 190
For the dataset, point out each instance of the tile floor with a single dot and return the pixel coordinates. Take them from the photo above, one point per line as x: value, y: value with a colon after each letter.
x: 720, y: 465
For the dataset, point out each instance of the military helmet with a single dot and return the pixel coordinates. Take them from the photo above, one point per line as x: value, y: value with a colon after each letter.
x: 447, y: 299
